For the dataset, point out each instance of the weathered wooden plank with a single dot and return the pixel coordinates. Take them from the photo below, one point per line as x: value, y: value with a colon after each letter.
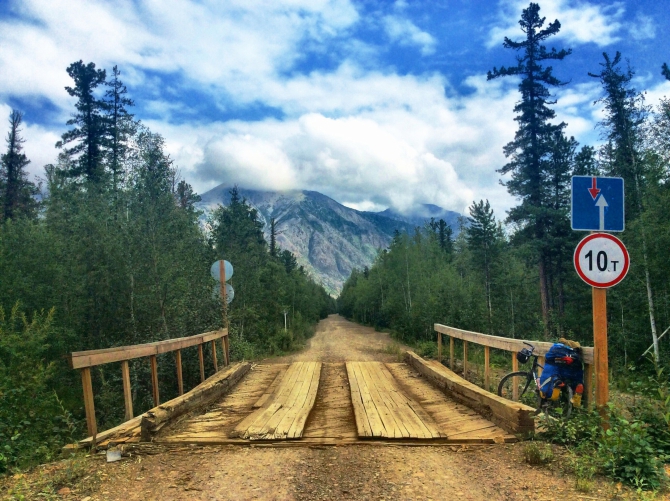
x: 362, y: 423
x: 285, y: 412
x: 512, y: 416
x: 376, y: 423
x: 154, y: 380
x: 180, y: 379
x: 376, y: 388
x: 216, y: 386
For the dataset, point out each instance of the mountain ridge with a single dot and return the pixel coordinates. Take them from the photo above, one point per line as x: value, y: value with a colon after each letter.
x: 328, y: 239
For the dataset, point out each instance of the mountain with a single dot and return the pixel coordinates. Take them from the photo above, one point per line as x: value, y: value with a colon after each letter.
x: 326, y: 237
x: 422, y: 214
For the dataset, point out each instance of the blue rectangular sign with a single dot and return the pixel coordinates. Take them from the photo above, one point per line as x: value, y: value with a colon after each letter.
x: 597, y: 203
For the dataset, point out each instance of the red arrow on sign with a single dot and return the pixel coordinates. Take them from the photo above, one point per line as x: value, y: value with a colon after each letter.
x: 593, y: 190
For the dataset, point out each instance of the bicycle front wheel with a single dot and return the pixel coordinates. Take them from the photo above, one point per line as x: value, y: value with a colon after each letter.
x: 519, y: 386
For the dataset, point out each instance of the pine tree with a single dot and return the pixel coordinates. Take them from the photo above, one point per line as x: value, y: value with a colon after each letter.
x: 444, y: 236
x: 529, y: 151
x: 585, y: 162
x: 665, y: 71
x: 120, y: 125
x: 186, y: 197
x: 625, y: 115
x: 89, y: 121
x: 273, y: 237
x: 483, y: 237
x: 16, y: 192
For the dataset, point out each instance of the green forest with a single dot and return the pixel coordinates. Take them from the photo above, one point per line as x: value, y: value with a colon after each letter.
x: 512, y: 275
x: 109, y: 250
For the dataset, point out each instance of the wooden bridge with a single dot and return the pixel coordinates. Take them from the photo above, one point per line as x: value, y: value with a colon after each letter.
x: 305, y: 403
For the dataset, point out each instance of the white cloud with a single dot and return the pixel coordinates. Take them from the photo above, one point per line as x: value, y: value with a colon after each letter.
x: 581, y: 21
x: 405, y: 32
x: 643, y: 28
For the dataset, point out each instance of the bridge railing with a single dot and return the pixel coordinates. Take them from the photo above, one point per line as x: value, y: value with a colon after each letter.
x: 84, y: 360
x: 506, y: 344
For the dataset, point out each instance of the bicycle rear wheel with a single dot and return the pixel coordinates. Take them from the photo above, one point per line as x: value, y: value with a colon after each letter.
x: 559, y: 409
x: 519, y: 386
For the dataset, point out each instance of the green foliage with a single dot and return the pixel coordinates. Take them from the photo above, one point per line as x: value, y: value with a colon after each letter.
x: 629, y: 450
x: 33, y: 423
x: 119, y: 257
x: 537, y: 453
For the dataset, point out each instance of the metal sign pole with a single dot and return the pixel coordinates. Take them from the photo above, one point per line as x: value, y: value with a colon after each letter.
x: 224, y: 303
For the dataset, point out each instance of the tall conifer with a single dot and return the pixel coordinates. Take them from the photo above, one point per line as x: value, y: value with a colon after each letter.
x: 16, y: 192
x: 530, y: 149
x: 88, y: 134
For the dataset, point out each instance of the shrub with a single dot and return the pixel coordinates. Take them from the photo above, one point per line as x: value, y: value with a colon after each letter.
x: 33, y: 422
x: 536, y: 453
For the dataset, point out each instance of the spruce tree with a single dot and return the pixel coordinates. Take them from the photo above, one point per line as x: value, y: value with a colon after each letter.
x: 665, y: 71
x: 120, y: 125
x: 483, y: 237
x: 16, y: 192
x: 88, y: 134
x: 530, y: 150
x: 623, y: 128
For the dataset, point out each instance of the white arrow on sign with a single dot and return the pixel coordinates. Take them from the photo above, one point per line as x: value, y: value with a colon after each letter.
x: 601, y: 204
x: 601, y: 260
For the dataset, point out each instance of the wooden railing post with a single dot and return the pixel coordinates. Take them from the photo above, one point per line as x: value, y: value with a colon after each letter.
x: 451, y: 352
x: 540, y: 360
x: 226, y: 354
x: 180, y: 380
x: 89, y: 404
x: 216, y: 365
x: 154, y: 380
x: 588, y: 385
x: 127, y: 391
x: 487, y: 371
x: 439, y: 347
x: 201, y: 359
x: 515, y: 380
x: 465, y: 359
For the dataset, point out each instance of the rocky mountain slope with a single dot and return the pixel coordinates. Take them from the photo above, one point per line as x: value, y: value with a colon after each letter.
x: 326, y: 237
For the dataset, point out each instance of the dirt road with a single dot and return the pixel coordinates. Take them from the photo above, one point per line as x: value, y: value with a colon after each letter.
x: 376, y: 472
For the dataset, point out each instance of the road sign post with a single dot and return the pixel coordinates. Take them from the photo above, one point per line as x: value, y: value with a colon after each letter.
x: 222, y: 271
x: 601, y: 260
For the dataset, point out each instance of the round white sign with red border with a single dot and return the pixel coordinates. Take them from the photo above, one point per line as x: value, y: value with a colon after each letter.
x: 601, y: 260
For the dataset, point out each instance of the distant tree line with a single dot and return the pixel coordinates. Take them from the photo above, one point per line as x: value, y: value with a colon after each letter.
x: 111, y: 251
x: 487, y: 279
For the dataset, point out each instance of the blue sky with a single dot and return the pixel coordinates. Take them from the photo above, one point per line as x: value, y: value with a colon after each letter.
x: 375, y: 104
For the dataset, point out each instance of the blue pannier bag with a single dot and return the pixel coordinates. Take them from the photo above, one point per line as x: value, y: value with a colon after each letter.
x: 562, y: 363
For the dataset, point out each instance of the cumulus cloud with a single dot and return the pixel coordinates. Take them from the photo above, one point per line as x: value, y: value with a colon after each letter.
x: 405, y: 32
x: 581, y: 21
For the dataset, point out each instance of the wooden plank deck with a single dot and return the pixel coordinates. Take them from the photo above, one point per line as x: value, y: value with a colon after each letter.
x: 284, y: 413
x: 382, y: 409
x: 454, y: 420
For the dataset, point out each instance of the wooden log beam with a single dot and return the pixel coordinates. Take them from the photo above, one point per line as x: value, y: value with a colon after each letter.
x: 216, y: 386
x: 127, y: 390
x: 514, y: 417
